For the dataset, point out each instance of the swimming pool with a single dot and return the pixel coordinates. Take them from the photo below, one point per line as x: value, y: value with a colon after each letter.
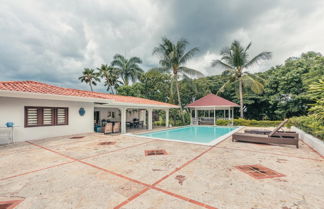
x: 206, y: 135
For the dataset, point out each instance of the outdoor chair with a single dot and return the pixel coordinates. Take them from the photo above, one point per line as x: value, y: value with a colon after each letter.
x: 108, y: 128
x: 116, y: 127
x: 268, y: 137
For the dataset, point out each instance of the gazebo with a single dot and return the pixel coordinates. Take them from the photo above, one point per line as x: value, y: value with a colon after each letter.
x: 210, y: 108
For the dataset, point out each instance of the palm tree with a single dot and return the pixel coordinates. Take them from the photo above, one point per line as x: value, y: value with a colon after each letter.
x: 235, y: 61
x: 173, y: 57
x: 111, y: 76
x: 90, y: 77
x: 129, y: 68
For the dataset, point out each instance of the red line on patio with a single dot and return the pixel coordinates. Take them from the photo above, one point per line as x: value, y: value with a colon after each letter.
x: 311, y: 148
x: 74, y: 160
x: 248, y: 150
x: 170, y: 193
x: 148, y: 186
x: 182, y: 166
x: 184, y: 198
x: 33, y: 171
x: 131, y: 198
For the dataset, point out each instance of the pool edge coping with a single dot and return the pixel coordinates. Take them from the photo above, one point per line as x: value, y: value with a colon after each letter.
x: 211, y: 143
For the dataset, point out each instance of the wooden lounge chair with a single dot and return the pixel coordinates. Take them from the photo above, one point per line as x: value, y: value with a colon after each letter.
x: 276, y: 130
x: 116, y: 128
x: 108, y: 128
x: 272, y: 137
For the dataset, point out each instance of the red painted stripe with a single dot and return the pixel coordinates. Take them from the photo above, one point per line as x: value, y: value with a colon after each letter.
x: 131, y: 198
x: 33, y: 171
x: 310, y: 147
x: 170, y: 193
x: 184, y: 165
x: 148, y: 187
x: 184, y: 198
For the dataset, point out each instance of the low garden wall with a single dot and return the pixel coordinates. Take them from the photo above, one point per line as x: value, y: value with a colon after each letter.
x: 312, y: 141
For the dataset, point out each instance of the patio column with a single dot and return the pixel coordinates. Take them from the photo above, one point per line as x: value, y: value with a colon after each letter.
x: 123, y: 120
x: 229, y: 113
x: 190, y: 116
x: 150, y: 119
x: 167, y: 118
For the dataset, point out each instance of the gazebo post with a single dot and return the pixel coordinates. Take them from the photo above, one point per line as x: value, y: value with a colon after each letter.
x: 214, y: 117
x: 190, y: 116
x: 224, y: 115
x: 229, y: 113
x: 196, y: 116
x: 232, y: 116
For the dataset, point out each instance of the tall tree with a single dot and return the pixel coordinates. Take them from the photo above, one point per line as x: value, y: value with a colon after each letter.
x: 89, y: 76
x: 111, y: 77
x: 235, y: 60
x: 173, y: 57
x: 129, y: 68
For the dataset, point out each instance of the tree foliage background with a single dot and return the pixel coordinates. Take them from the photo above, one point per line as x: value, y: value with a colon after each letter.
x: 286, y: 88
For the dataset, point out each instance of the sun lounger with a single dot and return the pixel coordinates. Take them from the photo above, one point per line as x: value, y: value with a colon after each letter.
x: 273, y: 137
x: 276, y: 130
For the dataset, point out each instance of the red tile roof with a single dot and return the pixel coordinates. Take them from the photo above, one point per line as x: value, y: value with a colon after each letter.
x: 212, y: 100
x: 43, y: 88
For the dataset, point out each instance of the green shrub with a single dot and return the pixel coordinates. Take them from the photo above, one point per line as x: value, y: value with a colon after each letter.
x: 309, y: 124
x: 244, y: 122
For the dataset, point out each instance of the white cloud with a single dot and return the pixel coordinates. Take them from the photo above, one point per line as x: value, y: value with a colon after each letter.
x: 53, y: 41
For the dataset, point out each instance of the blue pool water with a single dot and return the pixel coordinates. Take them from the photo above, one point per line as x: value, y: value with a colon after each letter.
x: 193, y: 134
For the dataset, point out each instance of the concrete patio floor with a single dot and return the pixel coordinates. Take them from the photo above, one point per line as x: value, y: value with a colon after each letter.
x: 80, y: 173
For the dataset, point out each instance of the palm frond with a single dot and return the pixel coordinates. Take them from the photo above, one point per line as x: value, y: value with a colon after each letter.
x: 221, y: 64
x: 225, y: 85
x: 253, y: 84
x: 160, y: 69
x: 258, y: 58
x: 188, y: 55
x: 190, y: 71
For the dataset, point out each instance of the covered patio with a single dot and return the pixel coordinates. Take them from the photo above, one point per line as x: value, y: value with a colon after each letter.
x: 130, y: 117
x: 209, y: 108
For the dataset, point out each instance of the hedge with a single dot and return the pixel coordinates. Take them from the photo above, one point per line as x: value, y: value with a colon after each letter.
x: 309, y: 124
x: 244, y: 122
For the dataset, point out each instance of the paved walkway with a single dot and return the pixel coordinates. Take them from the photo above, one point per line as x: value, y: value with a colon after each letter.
x: 82, y: 173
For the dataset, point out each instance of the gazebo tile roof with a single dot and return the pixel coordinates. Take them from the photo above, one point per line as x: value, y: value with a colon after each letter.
x: 212, y: 100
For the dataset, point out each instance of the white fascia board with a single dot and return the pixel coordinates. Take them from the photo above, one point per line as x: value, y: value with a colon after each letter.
x: 133, y: 105
x: 31, y: 95
x: 211, y: 107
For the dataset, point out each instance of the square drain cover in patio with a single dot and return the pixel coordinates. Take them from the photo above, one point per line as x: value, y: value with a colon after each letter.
x: 77, y: 137
x: 155, y: 152
x: 107, y: 143
x: 259, y: 171
x: 9, y: 204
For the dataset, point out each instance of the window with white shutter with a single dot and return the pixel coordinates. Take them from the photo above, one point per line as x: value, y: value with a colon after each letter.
x: 32, y: 117
x: 62, y: 116
x: 46, y: 116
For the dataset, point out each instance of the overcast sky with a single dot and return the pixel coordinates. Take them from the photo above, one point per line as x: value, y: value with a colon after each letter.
x: 52, y: 41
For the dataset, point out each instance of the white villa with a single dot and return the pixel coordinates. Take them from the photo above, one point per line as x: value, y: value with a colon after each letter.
x: 40, y: 110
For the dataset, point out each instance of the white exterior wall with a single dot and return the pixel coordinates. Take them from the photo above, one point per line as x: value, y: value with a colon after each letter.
x: 12, y: 110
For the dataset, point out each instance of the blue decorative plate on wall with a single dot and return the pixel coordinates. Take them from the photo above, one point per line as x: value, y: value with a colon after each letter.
x: 82, y: 111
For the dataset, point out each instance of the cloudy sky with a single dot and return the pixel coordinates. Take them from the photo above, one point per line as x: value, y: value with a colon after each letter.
x: 52, y: 41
